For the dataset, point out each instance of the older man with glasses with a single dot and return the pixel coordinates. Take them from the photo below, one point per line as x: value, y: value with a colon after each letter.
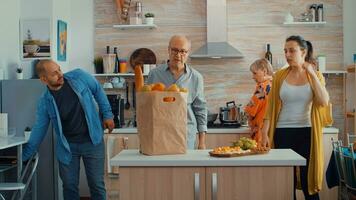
x: 176, y: 71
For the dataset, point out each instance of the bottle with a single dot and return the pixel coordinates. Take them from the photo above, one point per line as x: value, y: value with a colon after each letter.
x: 268, y: 54
x: 313, y: 10
x: 117, y: 62
x: 320, y: 11
x: 107, y: 49
x: 123, y: 66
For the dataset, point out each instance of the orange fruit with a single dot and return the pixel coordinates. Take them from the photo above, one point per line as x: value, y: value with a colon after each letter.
x: 173, y: 88
x: 183, y: 90
x: 158, y: 87
x: 146, y: 88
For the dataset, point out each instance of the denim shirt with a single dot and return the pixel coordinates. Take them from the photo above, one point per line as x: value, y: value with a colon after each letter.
x: 196, y: 103
x: 88, y: 89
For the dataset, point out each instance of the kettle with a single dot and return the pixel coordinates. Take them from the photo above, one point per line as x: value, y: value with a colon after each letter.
x: 230, y: 113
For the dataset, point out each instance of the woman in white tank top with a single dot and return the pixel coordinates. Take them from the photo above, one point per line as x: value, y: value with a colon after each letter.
x: 288, y: 122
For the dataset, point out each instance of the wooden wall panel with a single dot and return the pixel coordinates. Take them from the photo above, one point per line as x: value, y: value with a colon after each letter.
x: 251, y: 24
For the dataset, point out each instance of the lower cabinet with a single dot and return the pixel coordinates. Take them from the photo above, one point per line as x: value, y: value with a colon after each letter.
x: 211, y: 183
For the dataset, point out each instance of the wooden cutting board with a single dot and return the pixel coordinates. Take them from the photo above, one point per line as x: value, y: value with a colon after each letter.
x: 142, y: 56
x: 229, y: 155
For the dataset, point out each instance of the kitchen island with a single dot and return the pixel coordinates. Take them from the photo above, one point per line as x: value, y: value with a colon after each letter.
x: 196, y: 175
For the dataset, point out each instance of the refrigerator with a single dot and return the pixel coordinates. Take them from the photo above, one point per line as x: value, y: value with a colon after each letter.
x: 19, y: 98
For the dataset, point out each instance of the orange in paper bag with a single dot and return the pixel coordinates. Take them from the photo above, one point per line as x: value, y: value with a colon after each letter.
x: 158, y: 87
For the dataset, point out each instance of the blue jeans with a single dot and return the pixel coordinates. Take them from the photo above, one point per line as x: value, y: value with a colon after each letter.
x: 93, y: 158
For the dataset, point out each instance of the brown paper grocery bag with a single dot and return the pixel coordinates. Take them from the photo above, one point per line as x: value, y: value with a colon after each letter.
x: 162, y: 126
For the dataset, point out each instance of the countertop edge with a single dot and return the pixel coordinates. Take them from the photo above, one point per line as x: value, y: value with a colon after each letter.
x: 327, y: 130
x: 201, y: 158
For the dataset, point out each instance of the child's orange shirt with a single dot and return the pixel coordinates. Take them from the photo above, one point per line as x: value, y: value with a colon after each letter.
x: 256, y: 108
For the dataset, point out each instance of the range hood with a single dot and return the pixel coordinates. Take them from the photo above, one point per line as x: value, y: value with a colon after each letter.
x: 217, y: 45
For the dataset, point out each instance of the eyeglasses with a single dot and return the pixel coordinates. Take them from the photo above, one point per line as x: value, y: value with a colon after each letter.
x: 180, y: 51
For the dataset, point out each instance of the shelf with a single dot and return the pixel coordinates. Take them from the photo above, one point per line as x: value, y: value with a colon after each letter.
x: 350, y: 114
x: 303, y: 23
x: 118, y: 74
x: 351, y: 68
x: 140, y: 26
x: 334, y: 72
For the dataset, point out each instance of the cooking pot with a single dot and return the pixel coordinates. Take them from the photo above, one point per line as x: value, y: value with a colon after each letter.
x: 230, y: 113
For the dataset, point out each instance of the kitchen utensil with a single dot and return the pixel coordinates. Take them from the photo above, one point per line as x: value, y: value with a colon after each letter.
x: 142, y: 56
x: 107, y: 85
x: 109, y: 63
x: 118, y: 82
x: 133, y: 95
x: 229, y: 114
x: 127, y: 104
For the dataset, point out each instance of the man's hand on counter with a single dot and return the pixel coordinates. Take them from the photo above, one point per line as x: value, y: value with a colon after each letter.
x: 201, y: 142
x: 109, y: 124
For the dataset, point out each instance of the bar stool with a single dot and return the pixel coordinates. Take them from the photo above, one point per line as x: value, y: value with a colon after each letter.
x: 348, y: 165
x: 23, y: 184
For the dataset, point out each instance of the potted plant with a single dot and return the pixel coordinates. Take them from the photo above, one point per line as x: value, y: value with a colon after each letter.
x: 19, y: 73
x: 27, y: 133
x: 149, y: 18
x: 98, y: 64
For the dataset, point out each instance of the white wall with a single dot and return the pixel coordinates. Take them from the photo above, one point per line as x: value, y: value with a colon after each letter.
x: 349, y: 16
x: 82, y: 46
x: 9, y: 36
x: 62, y: 11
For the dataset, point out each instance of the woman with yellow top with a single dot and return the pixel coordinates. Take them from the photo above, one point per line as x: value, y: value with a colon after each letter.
x: 262, y: 73
x: 296, y: 113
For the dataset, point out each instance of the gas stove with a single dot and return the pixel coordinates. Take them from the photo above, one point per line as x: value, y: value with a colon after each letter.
x: 224, y: 125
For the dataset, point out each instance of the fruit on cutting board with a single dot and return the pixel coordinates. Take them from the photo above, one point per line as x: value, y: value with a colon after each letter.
x: 245, y: 143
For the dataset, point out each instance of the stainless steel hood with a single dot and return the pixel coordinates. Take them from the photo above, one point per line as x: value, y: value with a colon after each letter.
x: 217, y: 45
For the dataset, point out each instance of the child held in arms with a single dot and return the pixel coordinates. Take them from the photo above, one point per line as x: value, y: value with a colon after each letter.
x: 262, y: 73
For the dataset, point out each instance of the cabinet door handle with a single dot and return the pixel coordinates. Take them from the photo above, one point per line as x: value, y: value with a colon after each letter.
x: 214, y: 186
x: 196, y: 186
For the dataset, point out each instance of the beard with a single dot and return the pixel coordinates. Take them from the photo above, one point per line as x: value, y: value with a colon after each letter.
x: 56, y: 84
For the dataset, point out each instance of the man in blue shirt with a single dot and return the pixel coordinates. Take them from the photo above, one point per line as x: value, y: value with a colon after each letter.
x: 178, y: 72
x: 69, y: 104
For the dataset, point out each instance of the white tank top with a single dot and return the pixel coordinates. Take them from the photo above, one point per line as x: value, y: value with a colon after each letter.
x: 296, y: 106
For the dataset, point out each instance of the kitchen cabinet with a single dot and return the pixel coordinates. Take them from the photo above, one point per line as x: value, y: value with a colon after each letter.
x: 249, y: 183
x: 196, y: 175
x: 155, y: 183
x: 211, y: 183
